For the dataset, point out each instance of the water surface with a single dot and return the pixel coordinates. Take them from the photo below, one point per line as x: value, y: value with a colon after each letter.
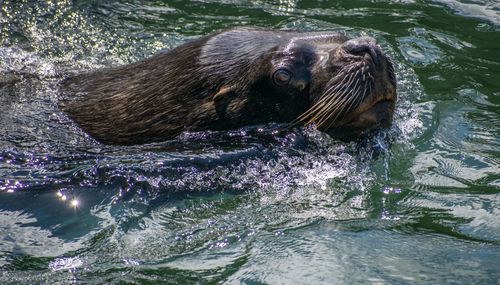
x: 416, y: 204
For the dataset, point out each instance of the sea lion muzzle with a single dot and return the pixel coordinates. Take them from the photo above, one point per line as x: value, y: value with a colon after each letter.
x: 360, y: 94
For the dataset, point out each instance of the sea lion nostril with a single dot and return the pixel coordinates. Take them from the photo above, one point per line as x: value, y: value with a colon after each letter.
x: 360, y: 46
x: 363, y: 46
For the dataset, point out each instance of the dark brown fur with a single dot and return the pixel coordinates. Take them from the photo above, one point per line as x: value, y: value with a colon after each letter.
x: 218, y: 82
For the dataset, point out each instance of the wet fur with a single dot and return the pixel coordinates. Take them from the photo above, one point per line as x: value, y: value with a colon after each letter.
x: 172, y: 92
x: 223, y: 81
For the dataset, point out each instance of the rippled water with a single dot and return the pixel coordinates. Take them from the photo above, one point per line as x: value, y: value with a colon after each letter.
x: 417, y: 204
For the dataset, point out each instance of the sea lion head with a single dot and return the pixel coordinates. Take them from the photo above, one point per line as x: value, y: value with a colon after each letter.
x: 350, y: 83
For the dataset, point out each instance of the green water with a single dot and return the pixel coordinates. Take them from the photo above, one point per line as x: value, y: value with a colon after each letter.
x: 235, y: 207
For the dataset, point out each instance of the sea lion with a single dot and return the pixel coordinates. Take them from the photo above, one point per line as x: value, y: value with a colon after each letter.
x: 238, y: 77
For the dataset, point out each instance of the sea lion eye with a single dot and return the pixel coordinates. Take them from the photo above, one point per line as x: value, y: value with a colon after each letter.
x: 282, y: 77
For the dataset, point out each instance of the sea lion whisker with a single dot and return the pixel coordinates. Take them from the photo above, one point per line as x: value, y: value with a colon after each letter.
x: 332, y: 100
x: 351, y: 100
x: 333, y: 92
x: 350, y: 68
x: 320, y: 104
x: 351, y: 80
x: 334, y: 86
x: 351, y: 95
x: 356, y: 97
x: 371, y: 76
x: 345, y: 74
x: 336, y: 110
x: 336, y: 100
x: 321, y: 113
x: 365, y: 89
x: 346, y: 86
x: 370, y: 87
x: 355, y: 101
x: 325, y: 113
x: 336, y: 106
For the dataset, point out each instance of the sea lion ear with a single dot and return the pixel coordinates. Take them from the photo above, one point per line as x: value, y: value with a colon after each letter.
x: 222, y: 93
x: 222, y: 99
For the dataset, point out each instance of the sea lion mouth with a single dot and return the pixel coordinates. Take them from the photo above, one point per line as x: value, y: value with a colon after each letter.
x: 378, y: 116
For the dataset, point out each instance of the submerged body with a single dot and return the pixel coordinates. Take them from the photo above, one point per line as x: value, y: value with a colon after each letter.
x: 236, y: 78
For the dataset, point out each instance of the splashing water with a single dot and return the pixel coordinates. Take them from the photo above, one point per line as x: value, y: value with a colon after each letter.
x: 254, y: 204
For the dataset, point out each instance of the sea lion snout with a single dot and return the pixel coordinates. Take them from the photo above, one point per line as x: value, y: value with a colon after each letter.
x: 353, y: 91
x: 363, y: 46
